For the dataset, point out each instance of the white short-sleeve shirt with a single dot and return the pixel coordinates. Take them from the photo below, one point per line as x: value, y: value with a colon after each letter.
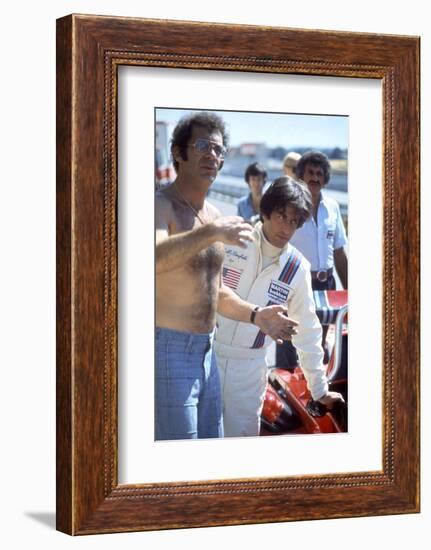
x: 317, y: 241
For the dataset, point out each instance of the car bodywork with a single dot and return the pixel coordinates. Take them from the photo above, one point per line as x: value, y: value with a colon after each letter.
x: 288, y: 407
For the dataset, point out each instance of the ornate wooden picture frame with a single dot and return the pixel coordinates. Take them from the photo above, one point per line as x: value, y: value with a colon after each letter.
x: 89, y: 51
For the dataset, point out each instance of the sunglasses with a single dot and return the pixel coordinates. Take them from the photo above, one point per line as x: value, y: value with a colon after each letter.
x: 203, y: 145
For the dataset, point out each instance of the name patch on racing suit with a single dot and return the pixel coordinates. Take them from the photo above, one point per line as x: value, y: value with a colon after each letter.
x: 235, y: 254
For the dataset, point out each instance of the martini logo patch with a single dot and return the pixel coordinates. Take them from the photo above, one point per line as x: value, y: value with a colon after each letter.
x: 278, y: 292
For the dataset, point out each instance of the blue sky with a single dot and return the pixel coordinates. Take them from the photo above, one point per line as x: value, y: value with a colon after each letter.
x: 285, y: 129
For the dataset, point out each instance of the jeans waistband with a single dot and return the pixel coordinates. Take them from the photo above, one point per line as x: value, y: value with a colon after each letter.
x: 189, y: 340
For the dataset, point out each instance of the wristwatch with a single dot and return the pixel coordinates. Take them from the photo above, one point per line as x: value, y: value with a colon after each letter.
x: 253, y: 314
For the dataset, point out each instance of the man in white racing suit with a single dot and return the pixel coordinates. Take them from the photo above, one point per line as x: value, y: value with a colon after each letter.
x: 269, y: 271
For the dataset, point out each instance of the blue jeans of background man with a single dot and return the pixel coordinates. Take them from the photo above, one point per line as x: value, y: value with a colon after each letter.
x: 187, y: 386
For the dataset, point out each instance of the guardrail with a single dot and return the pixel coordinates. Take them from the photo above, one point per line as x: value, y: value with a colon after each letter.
x: 231, y: 189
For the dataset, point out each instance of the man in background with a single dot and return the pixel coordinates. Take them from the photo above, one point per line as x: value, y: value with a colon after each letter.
x: 289, y: 164
x: 249, y: 206
x: 322, y: 238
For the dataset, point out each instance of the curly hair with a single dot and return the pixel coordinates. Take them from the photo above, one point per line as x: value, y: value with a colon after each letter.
x: 183, y: 131
x: 285, y: 192
x: 314, y: 158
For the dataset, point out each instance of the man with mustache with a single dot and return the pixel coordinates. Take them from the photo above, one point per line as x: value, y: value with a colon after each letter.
x: 190, y: 239
x: 322, y: 238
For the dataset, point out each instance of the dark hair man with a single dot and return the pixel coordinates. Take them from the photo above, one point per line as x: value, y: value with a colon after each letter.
x: 322, y: 238
x: 190, y: 239
x: 269, y: 271
x: 255, y: 176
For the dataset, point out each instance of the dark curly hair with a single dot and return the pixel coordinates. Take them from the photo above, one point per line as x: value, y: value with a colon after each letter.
x: 316, y: 159
x: 285, y: 192
x: 183, y: 131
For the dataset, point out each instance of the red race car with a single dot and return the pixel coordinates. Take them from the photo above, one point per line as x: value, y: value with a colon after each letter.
x: 288, y: 407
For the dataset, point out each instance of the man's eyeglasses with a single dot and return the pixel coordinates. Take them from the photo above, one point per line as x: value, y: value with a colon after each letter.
x: 203, y: 145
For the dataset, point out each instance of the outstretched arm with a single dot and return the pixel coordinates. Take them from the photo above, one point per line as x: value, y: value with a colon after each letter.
x: 271, y: 319
x: 308, y: 342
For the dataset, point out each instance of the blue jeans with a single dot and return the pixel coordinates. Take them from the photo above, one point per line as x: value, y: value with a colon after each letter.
x: 187, y: 386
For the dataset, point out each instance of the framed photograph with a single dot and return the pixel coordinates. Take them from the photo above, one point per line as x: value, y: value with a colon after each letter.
x: 117, y: 80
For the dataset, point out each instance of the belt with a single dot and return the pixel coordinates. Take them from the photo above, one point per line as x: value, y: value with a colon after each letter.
x: 322, y: 275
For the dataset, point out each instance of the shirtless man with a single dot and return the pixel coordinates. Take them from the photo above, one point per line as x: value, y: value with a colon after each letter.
x: 190, y: 238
